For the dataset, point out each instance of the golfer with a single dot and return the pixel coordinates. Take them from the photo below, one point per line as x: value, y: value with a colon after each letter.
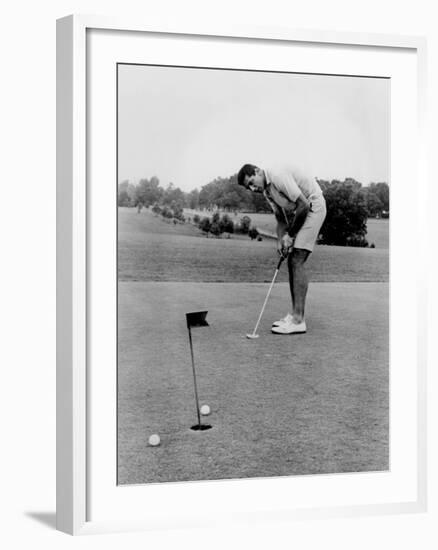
x: 299, y: 208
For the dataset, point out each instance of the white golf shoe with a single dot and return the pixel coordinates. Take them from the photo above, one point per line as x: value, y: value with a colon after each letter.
x: 290, y: 328
x: 287, y: 319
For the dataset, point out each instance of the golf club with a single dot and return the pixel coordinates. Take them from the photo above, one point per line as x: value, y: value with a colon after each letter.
x: 254, y: 333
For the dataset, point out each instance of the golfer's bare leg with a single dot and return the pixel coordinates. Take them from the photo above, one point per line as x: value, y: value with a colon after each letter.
x: 291, y: 280
x: 298, y: 282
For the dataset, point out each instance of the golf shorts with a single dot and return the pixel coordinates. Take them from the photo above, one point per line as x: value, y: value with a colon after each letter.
x: 309, y: 232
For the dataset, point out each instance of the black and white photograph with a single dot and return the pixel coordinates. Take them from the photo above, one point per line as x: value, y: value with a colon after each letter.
x: 253, y: 255
x: 218, y: 287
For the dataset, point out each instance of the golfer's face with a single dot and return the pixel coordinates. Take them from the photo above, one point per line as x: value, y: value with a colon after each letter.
x: 255, y: 183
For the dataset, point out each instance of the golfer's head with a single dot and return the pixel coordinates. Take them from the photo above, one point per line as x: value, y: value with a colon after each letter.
x: 251, y: 177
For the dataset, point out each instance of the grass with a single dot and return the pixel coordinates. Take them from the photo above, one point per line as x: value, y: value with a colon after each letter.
x: 152, y: 250
x: 378, y: 233
x: 281, y: 405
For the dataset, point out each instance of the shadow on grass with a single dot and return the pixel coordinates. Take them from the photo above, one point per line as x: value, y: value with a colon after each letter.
x: 46, y: 518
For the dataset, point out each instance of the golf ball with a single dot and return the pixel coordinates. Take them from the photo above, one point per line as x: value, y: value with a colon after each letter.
x: 205, y: 410
x: 154, y: 440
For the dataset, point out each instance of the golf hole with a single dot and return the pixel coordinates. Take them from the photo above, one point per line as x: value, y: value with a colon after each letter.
x: 200, y: 427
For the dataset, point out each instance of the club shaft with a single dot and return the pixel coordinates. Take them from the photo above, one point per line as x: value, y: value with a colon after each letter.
x: 266, y: 300
x: 194, y: 378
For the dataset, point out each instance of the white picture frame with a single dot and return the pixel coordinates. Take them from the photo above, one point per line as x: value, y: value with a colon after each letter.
x: 74, y: 339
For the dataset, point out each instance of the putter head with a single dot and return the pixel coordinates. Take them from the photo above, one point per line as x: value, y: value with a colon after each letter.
x: 252, y: 336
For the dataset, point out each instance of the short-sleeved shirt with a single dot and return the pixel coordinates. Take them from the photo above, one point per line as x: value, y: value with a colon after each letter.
x: 284, y: 185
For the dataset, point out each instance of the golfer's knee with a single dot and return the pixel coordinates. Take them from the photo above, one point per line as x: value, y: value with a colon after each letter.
x: 298, y: 257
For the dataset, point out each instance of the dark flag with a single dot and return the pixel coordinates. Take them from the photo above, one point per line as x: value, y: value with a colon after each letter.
x: 197, y: 319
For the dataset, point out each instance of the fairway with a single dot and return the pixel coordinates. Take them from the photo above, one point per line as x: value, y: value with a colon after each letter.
x: 281, y: 405
x: 149, y: 249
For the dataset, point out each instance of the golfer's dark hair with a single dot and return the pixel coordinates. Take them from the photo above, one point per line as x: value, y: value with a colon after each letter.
x: 246, y: 170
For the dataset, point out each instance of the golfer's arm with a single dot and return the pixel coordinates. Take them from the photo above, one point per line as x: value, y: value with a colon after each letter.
x: 301, y: 211
x: 281, y: 224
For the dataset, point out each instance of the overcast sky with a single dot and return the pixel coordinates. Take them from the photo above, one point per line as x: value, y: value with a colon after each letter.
x: 188, y: 126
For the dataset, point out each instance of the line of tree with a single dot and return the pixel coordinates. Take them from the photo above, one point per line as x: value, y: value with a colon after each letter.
x: 221, y: 193
x: 150, y: 192
x: 225, y: 195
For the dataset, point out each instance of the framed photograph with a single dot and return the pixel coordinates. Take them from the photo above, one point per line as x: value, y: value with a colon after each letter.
x: 241, y: 294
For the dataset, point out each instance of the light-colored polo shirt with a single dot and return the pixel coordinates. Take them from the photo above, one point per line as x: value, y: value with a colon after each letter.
x: 284, y: 185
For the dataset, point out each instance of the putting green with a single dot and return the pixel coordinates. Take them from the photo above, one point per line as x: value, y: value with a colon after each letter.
x: 281, y: 405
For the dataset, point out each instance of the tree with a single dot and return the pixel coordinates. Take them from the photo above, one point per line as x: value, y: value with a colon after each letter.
x: 192, y: 199
x: 215, y: 228
x: 123, y: 198
x: 345, y: 223
x: 156, y: 209
x: 178, y: 211
x: 253, y: 233
x: 374, y: 204
x: 205, y: 225
x: 148, y: 191
x: 226, y: 223
x: 173, y: 194
x: 166, y: 212
x: 259, y: 203
x: 215, y: 218
x: 245, y: 224
x: 126, y: 194
x: 205, y: 198
x: 224, y: 193
x: 381, y: 189
x: 231, y: 201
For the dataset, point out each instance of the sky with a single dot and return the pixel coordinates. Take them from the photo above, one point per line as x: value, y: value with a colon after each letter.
x: 188, y: 125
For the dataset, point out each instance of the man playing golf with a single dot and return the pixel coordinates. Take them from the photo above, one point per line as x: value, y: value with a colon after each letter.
x: 299, y: 208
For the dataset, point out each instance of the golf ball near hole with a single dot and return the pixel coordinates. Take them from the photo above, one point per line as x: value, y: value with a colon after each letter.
x: 154, y: 440
x: 205, y: 410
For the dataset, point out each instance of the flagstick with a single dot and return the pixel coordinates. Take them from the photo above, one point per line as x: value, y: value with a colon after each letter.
x: 194, y: 377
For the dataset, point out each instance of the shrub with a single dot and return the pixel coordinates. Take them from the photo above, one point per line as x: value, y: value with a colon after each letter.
x: 226, y: 224
x: 215, y: 229
x: 205, y: 225
x: 244, y: 225
x: 253, y: 233
x: 156, y: 209
x: 215, y: 218
x: 166, y: 212
x: 357, y: 241
x: 180, y: 217
x: 196, y: 219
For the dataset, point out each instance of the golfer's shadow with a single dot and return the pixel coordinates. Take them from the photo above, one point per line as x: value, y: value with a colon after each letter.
x: 46, y: 518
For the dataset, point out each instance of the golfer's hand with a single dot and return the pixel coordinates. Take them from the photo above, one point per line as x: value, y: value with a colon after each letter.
x: 286, y: 244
